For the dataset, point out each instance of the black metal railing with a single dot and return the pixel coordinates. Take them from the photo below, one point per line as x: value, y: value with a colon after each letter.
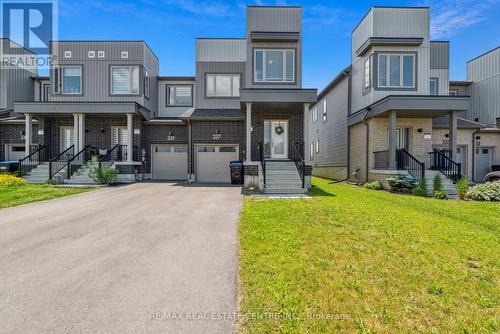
x: 78, y: 160
x: 298, y: 158
x: 57, y: 163
x: 406, y: 161
x: 38, y: 155
x: 440, y: 161
x: 111, y: 156
x: 381, y: 159
x: 262, y: 161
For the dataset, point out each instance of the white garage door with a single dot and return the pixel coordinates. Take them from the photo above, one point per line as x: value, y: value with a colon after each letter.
x: 15, y: 152
x: 169, y: 162
x: 212, y: 163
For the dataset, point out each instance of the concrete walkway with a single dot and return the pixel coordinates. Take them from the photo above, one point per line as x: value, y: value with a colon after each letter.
x: 122, y: 260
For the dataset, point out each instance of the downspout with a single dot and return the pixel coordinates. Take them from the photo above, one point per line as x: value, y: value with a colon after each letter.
x: 190, y: 154
x: 474, y: 153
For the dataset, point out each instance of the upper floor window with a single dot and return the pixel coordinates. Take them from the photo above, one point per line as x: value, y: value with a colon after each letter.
x: 453, y: 92
x: 366, y: 83
x: 324, y: 110
x: 68, y: 80
x: 396, y: 70
x: 317, y: 146
x: 223, y: 85
x: 67, y: 54
x: 100, y: 54
x: 433, y: 86
x: 314, y: 112
x: 147, y: 84
x: 274, y: 65
x: 179, y: 95
x: 124, y: 80
x: 124, y: 54
x: 91, y: 54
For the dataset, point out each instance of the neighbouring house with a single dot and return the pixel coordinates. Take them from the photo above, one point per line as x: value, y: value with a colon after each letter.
x: 106, y: 98
x: 393, y: 109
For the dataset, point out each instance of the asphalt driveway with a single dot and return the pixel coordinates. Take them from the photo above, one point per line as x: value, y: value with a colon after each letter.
x: 152, y: 257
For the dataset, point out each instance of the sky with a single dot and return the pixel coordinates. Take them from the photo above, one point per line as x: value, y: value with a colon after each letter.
x: 171, y: 26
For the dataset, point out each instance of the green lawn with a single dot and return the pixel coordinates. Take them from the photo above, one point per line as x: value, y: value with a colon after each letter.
x: 372, y: 261
x: 17, y: 195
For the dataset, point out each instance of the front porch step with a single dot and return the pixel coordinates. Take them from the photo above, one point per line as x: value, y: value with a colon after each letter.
x: 448, y: 186
x: 285, y: 190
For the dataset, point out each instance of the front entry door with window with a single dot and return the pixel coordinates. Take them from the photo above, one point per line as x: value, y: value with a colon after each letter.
x: 120, y: 136
x: 276, y: 139
x: 67, y: 137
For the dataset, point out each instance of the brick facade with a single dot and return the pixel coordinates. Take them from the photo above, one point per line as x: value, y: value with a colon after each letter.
x: 295, y: 128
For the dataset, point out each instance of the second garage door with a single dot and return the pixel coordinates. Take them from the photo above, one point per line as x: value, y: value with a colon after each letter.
x: 170, y: 162
x: 212, y: 162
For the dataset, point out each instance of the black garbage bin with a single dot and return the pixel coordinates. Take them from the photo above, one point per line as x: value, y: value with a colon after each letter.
x: 236, y: 172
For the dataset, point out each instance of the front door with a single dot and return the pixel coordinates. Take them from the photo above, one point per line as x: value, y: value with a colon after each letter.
x: 67, y: 137
x: 484, y: 160
x: 279, y: 139
x: 119, y: 135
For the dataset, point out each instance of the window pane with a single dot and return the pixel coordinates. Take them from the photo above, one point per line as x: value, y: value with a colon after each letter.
x: 179, y: 95
x: 267, y: 139
x: 432, y: 87
x: 72, y: 80
x: 125, y: 80
x: 227, y: 149
x: 289, y: 65
x: 210, y: 85
x: 236, y: 85
x: 163, y: 149
x: 259, y: 60
x: 180, y: 149
x: 382, y: 70
x: 209, y: 149
x: 367, y: 73
x: 408, y: 67
x: 135, y: 80
x: 223, y: 85
x: 394, y: 71
x: 274, y: 65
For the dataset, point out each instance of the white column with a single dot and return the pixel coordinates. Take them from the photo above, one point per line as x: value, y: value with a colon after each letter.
x: 392, y: 140
x: 249, y: 133
x: 307, y: 154
x: 130, y: 137
x: 76, y: 132
x: 81, y: 132
x: 453, y: 134
x: 28, y: 133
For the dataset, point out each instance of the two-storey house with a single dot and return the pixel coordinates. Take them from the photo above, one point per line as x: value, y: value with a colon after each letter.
x: 378, y: 116
x: 105, y: 100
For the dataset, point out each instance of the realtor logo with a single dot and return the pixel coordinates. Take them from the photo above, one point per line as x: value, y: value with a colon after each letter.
x: 29, y: 24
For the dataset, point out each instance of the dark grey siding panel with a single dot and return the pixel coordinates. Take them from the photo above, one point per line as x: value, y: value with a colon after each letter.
x: 332, y: 134
x: 227, y: 50
x: 202, y: 68
x: 16, y: 86
x: 159, y: 134
x: 440, y: 55
x: 152, y: 64
x: 295, y: 126
x: 278, y: 19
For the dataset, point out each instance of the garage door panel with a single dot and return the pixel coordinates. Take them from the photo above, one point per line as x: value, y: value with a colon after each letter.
x: 170, y: 162
x: 213, y: 163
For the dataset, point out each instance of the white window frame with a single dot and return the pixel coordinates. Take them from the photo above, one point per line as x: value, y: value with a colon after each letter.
x: 436, y: 80
x: 124, y: 55
x: 61, y: 79
x: 401, y: 70
x: 101, y: 54
x: 147, y: 83
x: 168, y: 104
x: 67, y: 54
x: 314, y: 112
x: 311, y: 151
x: 111, y: 80
x: 317, y: 146
x: 264, y: 55
x: 215, y: 75
x: 453, y: 92
x: 325, y: 117
x: 367, y: 74
x: 91, y: 54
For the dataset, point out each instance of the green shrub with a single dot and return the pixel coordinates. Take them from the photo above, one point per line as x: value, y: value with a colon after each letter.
x: 402, y: 182
x: 437, y: 183
x: 462, y: 186
x: 421, y: 189
x: 7, y: 180
x: 375, y: 185
x: 105, y: 175
x: 489, y: 191
x: 439, y: 194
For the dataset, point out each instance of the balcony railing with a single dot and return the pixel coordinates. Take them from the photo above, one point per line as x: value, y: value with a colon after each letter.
x: 381, y: 159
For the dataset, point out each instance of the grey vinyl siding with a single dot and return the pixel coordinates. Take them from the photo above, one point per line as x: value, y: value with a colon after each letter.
x: 96, y: 71
x: 279, y: 19
x: 440, y: 55
x: 443, y: 80
x: 484, y: 72
x: 17, y: 86
x: 462, y: 90
x: 224, y: 50
x: 163, y: 110
x: 202, y: 68
x: 332, y: 134
x: 152, y: 64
